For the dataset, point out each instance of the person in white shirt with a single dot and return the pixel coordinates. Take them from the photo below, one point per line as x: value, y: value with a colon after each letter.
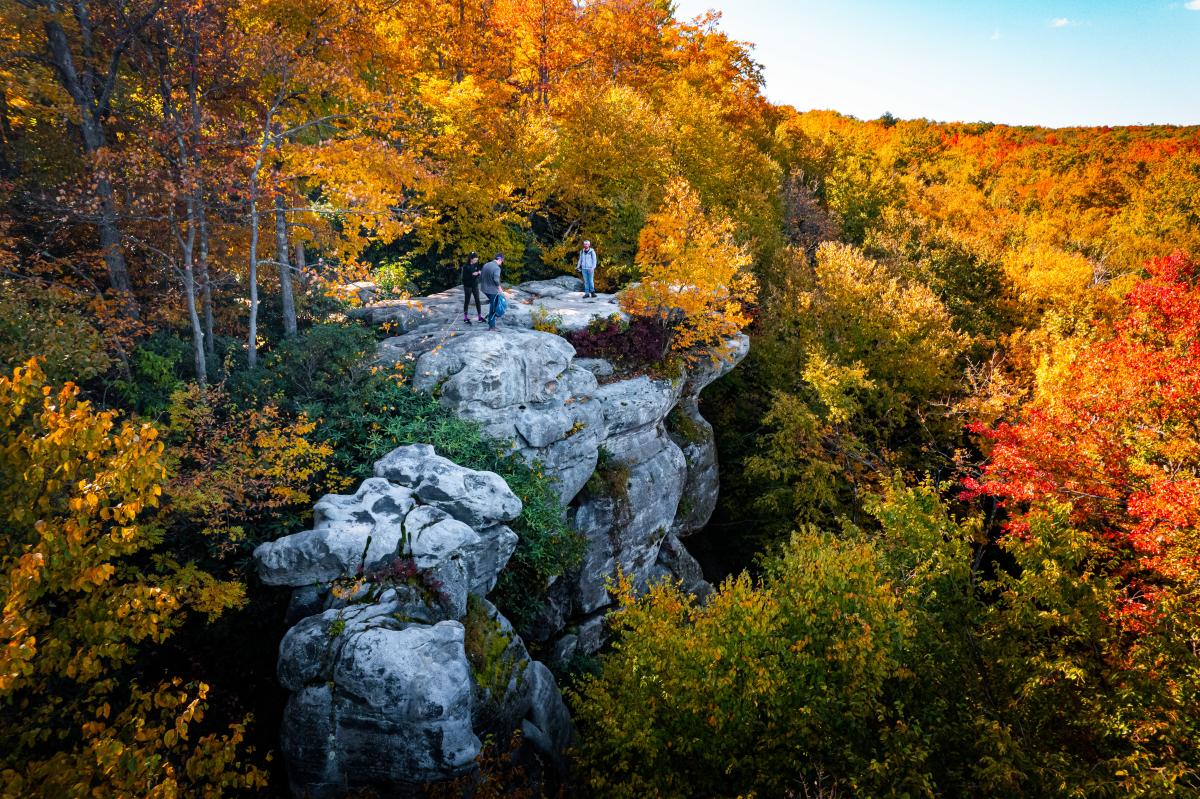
x: 587, y: 267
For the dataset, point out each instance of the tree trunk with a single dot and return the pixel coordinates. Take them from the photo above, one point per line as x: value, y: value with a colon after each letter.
x: 92, y: 129
x: 301, y: 266
x: 459, y: 67
x: 252, y: 339
x: 206, y: 301
x: 7, y: 168
x: 188, y: 246
x: 285, y: 268
x: 197, y: 127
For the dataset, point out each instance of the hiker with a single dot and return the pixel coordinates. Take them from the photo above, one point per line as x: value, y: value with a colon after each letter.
x: 587, y: 267
x: 470, y: 284
x: 489, y: 282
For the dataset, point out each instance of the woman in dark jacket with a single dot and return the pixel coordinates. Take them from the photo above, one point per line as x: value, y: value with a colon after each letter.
x: 470, y: 283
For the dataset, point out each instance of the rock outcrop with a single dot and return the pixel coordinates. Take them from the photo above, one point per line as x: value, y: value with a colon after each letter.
x: 633, y: 459
x: 389, y: 590
x: 396, y: 662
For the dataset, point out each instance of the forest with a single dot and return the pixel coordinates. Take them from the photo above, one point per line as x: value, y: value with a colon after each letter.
x: 956, y: 545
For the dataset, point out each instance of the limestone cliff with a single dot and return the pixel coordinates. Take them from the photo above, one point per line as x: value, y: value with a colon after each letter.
x: 397, y: 664
x: 634, y: 460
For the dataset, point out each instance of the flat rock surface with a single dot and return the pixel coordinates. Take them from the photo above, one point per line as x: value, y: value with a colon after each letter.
x: 559, y: 300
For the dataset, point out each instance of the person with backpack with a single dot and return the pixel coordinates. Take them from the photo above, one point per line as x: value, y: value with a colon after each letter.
x: 489, y: 282
x: 586, y: 266
x: 470, y: 283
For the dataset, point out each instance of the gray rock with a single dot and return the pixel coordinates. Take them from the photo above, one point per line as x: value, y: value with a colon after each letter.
x: 702, y: 484
x: 547, y: 709
x: 376, y: 501
x: 478, y: 499
x: 306, y: 601
x: 488, y: 557
x: 656, y: 483
x: 595, y: 518
x: 569, y: 282
x: 441, y: 549
x: 563, y: 652
x: 555, y: 610
x: 632, y: 404
x: 376, y: 703
x: 308, y: 740
x: 593, y: 634
x: 337, y: 545
x: 382, y: 696
x: 676, y: 564
x: 403, y: 703
x: 597, y: 366
x: 477, y: 372
x: 306, y: 652
x: 548, y: 288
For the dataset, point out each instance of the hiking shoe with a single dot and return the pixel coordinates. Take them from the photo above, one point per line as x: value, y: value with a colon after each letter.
x: 480, y: 319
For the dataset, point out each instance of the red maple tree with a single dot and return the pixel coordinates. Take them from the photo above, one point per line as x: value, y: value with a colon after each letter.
x: 1117, y: 440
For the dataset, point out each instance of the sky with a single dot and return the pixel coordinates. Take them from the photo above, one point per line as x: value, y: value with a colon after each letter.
x: 1022, y: 62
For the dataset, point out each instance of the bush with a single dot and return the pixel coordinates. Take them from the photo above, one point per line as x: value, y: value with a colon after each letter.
x: 642, y: 343
x: 758, y: 692
x: 154, y: 368
x: 240, y: 476
x: 546, y: 322
x: 87, y: 589
x: 68, y: 346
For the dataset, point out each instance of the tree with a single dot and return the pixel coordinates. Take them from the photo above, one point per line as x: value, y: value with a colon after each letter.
x: 761, y: 691
x: 88, y: 66
x: 1113, y: 437
x: 84, y: 592
x: 691, y: 267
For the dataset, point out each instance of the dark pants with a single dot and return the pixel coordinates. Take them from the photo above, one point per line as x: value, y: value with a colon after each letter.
x: 471, y: 290
x: 491, y: 317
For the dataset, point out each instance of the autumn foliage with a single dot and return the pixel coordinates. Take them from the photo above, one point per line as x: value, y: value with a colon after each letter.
x: 1113, y: 437
x: 186, y: 186
x: 83, y: 590
x: 693, y: 274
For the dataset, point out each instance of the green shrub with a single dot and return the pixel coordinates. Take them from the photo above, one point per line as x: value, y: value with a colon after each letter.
x: 392, y: 277
x: 546, y: 322
x: 611, y: 478
x: 686, y: 428
x: 36, y: 323
x: 154, y: 367
x: 492, y: 666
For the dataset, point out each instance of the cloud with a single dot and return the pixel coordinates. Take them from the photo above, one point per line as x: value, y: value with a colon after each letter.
x: 1062, y: 22
x: 997, y: 37
x: 1192, y: 5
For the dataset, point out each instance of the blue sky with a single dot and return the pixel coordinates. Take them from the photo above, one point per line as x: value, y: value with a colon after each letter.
x: 1035, y: 62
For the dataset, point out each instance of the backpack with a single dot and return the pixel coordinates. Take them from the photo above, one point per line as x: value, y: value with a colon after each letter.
x: 501, y: 306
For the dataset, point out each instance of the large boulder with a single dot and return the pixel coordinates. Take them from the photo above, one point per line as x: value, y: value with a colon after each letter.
x: 383, y: 694
x: 478, y: 499
x: 338, y: 543
x: 389, y: 706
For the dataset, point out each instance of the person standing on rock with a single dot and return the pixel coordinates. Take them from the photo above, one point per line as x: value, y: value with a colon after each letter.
x: 470, y: 284
x: 587, y: 267
x: 489, y: 281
